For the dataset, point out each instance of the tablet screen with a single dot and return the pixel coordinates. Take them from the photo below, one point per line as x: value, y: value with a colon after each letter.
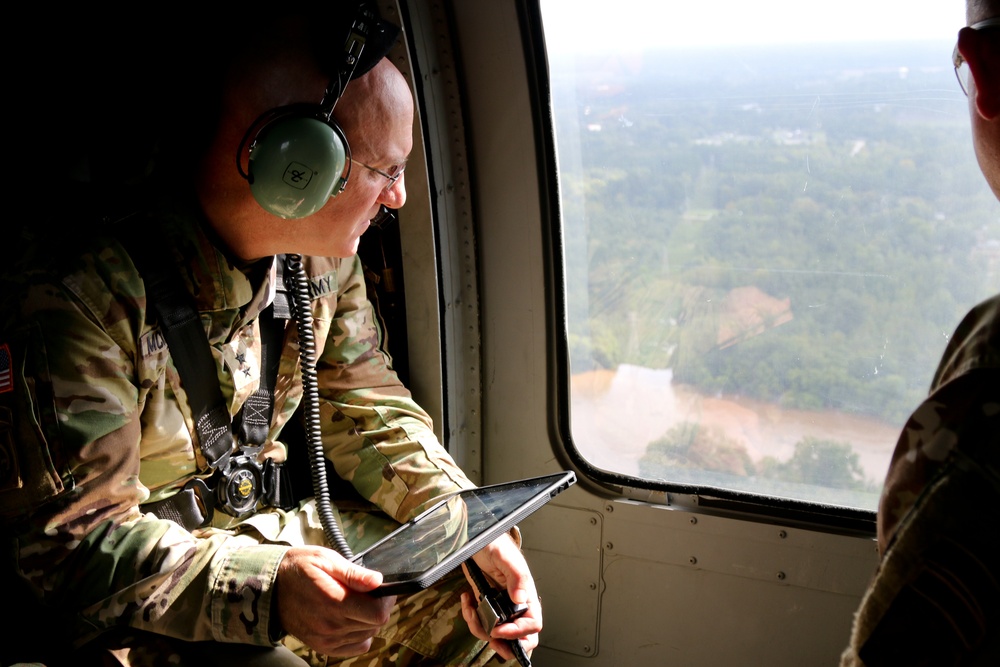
x: 457, y: 527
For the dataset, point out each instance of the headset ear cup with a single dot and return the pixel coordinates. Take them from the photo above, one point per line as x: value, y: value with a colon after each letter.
x: 296, y: 164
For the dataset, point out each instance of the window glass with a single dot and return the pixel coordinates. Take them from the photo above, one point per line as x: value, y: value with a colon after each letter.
x: 773, y: 223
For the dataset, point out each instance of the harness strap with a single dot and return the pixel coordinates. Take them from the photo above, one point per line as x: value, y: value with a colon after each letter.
x: 180, y: 324
x: 191, y: 507
x: 188, y: 345
x: 254, y: 419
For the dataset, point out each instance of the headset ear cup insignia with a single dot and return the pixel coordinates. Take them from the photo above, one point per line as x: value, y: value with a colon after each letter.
x: 296, y: 164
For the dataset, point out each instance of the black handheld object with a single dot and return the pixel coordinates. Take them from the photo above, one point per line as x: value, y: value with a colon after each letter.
x: 440, y: 539
x: 496, y: 607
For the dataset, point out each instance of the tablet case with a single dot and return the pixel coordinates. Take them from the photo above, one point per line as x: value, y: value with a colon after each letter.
x: 438, y: 540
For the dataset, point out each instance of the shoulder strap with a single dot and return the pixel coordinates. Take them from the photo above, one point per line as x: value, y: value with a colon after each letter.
x: 254, y: 418
x: 188, y: 345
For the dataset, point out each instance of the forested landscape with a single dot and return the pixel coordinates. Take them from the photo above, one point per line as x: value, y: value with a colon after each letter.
x: 804, y: 226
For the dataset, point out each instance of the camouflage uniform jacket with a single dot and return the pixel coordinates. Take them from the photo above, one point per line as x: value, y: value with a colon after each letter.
x: 94, y: 422
x: 962, y: 413
x: 935, y: 597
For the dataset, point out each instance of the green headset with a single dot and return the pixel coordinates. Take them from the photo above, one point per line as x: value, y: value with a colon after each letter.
x: 299, y: 156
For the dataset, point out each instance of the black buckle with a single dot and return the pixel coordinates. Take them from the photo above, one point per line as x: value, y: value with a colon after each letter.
x: 240, y: 485
x: 205, y: 500
x: 191, y: 507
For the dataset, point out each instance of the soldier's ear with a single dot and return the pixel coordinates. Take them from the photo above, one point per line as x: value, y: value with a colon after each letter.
x: 981, y: 51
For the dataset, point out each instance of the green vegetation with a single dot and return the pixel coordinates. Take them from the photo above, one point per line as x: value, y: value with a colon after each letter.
x: 693, y: 446
x: 852, y: 206
x: 821, y: 462
x: 804, y: 228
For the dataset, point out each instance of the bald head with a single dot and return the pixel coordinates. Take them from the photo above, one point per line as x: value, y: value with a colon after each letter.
x: 369, y: 106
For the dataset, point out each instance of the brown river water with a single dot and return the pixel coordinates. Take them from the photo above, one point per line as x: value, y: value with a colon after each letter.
x: 616, y: 414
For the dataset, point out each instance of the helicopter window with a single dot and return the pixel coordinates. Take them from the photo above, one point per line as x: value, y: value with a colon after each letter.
x: 772, y: 223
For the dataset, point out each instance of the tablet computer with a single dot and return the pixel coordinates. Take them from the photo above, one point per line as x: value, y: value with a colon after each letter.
x: 434, y: 543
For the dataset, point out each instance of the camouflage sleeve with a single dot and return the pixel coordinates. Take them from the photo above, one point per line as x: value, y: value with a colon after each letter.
x: 86, y: 557
x: 962, y: 413
x: 932, y: 598
x: 377, y: 437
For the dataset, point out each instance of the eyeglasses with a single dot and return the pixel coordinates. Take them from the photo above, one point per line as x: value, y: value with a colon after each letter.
x: 961, y: 67
x: 392, y: 175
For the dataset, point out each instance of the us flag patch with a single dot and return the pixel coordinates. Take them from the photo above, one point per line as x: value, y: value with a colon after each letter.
x: 5, y: 377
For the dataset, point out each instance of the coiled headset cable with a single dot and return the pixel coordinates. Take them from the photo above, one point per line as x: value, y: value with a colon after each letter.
x: 302, y: 314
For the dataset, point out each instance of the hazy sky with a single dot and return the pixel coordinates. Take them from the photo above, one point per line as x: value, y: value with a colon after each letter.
x: 572, y: 24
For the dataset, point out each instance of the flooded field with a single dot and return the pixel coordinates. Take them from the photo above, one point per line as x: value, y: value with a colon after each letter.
x: 616, y: 414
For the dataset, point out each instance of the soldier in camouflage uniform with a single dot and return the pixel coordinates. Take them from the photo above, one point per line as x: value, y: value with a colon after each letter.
x: 935, y: 598
x: 95, y: 423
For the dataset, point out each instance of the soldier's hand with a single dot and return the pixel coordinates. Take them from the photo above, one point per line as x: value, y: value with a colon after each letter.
x: 323, y: 601
x: 503, y: 562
